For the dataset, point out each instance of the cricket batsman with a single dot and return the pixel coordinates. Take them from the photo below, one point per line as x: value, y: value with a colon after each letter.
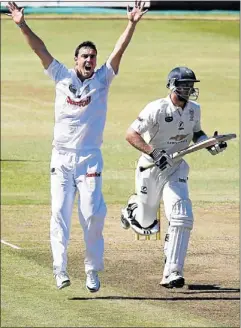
x: 165, y: 126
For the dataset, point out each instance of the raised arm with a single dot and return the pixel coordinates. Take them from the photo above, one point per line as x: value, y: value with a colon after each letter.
x: 134, y: 16
x: 33, y: 40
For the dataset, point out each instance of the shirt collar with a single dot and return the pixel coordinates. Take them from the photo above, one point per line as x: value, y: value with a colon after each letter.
x: 172, y: 106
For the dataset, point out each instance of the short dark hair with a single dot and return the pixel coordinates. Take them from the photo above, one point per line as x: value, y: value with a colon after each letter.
x: 88, y: 44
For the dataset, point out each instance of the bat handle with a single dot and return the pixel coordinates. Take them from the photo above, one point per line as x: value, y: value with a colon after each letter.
x: 143, y: 168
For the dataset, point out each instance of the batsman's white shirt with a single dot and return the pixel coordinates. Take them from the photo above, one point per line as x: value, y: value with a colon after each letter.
x: 80, y: 107
x: 166, y: 126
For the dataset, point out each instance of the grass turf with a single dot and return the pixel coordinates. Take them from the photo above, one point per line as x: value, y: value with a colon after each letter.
x: 211, y: 49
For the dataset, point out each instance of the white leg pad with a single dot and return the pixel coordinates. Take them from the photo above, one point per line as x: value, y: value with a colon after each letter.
x: 177, y: 239
x: 167, y: 237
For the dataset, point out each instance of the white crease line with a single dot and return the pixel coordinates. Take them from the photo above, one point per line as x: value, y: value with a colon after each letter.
x: 11, y: 245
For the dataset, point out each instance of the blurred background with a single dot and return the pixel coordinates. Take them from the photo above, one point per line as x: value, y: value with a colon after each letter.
x: 151, y: 4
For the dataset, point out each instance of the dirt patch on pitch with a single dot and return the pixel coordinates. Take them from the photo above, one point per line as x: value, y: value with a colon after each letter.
x: 211, y: 268
x: 134, y: 268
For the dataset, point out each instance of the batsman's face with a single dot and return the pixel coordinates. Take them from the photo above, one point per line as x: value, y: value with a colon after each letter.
x: 86, y: 62
x: 185, y: 89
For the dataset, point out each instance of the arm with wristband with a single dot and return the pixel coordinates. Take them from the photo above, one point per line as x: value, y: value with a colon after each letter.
x: 214, y: 150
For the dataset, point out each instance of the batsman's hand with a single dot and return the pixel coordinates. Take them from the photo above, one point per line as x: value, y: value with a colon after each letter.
x: 15, y: 12
x: 218, y: 147
x: 137, y: 11
x: 162, y: 159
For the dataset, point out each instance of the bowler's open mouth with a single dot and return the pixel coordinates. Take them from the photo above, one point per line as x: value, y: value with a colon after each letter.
x: 87, y: 67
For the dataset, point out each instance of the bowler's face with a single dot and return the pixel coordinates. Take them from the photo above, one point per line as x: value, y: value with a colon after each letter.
x: 86, y: 62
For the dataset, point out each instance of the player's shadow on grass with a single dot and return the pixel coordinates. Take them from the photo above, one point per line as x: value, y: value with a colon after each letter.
x: 201, y: 289
x: 172, y: 299
x: 197, y: 289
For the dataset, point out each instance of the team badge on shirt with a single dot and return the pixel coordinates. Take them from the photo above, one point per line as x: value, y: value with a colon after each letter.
x: 191, y: 115
x: 72, y: 89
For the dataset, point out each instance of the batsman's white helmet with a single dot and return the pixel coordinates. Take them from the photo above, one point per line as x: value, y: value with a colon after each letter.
x: 181, y: 81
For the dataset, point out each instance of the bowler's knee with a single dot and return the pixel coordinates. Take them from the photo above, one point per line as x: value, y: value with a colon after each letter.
x: 102, y: 211
x: 97, y: 210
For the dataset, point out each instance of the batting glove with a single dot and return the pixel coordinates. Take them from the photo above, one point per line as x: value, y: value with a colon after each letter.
x: 218, y: 147
x: 161, y: 159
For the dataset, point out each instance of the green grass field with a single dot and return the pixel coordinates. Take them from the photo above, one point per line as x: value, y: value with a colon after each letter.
x: 211, y: 49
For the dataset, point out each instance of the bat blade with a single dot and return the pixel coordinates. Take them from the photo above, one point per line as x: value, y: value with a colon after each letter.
x: 203, y: 144
x: 195, y: 147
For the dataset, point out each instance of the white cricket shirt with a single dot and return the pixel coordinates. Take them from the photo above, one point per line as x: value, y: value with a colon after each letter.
x: 80, y: 107
x: 166, y: 126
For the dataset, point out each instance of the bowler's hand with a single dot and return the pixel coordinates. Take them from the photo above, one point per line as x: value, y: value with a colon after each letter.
x: 218, y: 147
x: 15, y: 12
x: 161, y: 159
x: 137, y: 11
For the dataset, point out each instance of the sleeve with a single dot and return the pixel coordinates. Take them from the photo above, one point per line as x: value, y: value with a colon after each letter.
x: 56, y: 71
x: 106, y: 74
x: 144, y: 121
x: 197, y: 125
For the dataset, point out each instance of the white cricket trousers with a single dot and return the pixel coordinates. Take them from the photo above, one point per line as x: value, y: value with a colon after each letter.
x: 77, y: 172
x: 154, y: 185
x: 172, y: 187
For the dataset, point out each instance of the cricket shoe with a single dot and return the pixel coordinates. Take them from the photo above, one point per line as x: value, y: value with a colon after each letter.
x: 92, y: 281
x: 174, y: 280
x: 62, y: 280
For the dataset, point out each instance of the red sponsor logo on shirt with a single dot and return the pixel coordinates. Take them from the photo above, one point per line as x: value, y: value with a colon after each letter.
x: 95, y: 174
x: 81, y: 103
